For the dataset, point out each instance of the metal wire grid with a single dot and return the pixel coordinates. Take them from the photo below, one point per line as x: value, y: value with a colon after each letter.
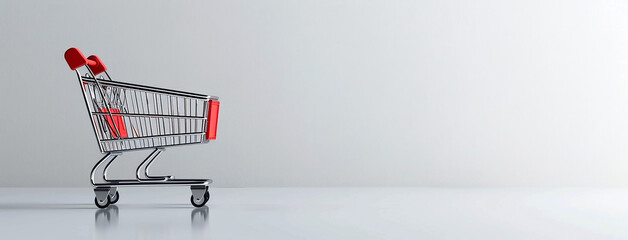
x: 144, y: 118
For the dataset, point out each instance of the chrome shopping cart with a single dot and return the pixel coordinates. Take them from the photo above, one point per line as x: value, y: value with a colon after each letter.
x: 128, y: 116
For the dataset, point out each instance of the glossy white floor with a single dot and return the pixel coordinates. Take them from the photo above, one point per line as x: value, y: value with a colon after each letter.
x: 317, y: 213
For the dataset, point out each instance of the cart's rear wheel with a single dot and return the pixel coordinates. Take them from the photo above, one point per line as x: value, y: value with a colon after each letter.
x: 200, y: 202
x: 115, y: 198
x: 104, y: 203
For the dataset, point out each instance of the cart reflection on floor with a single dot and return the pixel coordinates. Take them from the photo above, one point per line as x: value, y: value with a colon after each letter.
x: 106, y: 219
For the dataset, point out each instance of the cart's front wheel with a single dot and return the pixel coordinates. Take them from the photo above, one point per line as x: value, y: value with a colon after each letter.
x: 104, y: 203
x: 199, y: 202
x: 115, y: 198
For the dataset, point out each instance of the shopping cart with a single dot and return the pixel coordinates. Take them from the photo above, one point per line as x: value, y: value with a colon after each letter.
x: 128, y: 116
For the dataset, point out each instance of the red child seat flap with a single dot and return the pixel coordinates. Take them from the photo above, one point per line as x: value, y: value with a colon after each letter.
x: 118, y: 121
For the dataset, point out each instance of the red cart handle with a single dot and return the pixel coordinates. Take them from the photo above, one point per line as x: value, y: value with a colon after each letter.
x: 76, y: 59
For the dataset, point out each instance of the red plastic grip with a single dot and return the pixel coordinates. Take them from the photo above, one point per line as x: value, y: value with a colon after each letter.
x: 96, y: 65
x: 212, y: 119
x: 76, y: 59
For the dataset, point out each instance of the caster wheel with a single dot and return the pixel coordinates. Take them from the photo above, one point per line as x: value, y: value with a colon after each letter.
x: 102, y: 204
x: 115, y: 198
x: 200, y: 202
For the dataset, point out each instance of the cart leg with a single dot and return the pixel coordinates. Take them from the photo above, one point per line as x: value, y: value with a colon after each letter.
x: 99, y: 172
x: 142, y: 169
x: 200, y: 195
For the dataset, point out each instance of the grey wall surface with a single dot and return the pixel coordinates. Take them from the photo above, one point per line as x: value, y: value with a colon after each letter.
x: 333, y: 93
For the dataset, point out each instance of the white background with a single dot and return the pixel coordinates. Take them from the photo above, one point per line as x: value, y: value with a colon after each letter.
x: 333, y: 93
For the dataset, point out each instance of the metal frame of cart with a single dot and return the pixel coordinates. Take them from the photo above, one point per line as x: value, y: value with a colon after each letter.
x: 128, y: 117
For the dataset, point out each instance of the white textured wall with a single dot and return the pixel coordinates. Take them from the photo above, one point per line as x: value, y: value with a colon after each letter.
x: 333, y: 93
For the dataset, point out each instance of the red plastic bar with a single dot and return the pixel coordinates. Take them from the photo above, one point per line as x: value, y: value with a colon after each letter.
x: 212, y: 119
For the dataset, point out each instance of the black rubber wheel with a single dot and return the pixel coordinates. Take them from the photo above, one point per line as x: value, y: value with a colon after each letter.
x: 115, y: 198
x: 200, y: 204
x: 104, y: 204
